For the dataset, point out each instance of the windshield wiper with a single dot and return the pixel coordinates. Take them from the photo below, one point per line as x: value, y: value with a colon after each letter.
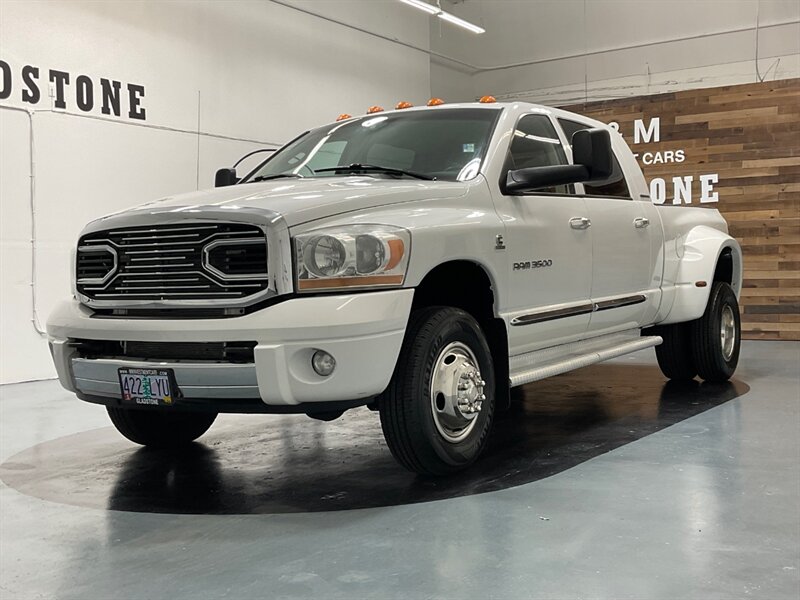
x: 361, y: 168
x: 275, y: 176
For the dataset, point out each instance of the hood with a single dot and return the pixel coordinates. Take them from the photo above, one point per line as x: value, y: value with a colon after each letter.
x: 302, y: 200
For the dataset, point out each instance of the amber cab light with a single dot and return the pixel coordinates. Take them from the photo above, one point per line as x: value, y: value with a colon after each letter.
x: 487, y: 99
x: 374, y: 109
x: 402, y: 105
x: 343, y: 117
x: 435, y: 102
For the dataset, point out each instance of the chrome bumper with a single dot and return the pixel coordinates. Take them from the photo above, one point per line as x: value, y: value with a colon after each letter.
x: 98, y: 377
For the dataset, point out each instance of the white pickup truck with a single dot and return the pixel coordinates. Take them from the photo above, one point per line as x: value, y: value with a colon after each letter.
x: 421, y: 262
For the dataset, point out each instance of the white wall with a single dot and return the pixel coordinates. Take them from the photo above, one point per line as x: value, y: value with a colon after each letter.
x: 258, y: 72
x: 568, y: 51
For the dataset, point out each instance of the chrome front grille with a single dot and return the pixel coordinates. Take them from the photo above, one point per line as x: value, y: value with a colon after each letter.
x: 198, y: 261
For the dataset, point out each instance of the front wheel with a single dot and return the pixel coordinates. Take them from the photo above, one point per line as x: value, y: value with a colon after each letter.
x: 437, y: 411
x: 158, y: 428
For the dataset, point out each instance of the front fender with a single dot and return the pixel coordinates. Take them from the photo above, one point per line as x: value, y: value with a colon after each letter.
x: 442, y: 230
x: 699, y: 252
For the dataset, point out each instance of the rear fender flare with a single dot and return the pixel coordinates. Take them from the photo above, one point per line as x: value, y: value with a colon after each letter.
x: 700, y: 252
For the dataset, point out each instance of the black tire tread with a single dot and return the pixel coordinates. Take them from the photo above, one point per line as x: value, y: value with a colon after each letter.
x: 160, y: 429
x: 400, y: 420
x: 674, y: 354
x: 401, y: 423
x: 707, y: 357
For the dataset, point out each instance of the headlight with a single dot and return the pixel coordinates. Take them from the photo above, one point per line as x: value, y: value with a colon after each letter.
x: 352, y: 256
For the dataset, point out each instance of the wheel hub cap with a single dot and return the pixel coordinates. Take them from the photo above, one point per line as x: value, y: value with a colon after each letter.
x: 457, y: 392
x: 727, y: 332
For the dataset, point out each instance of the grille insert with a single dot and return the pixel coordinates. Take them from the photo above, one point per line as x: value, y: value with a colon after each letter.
x: 219, y: 261
x: 236, y: 258
x: 96, y: 264
x: 236, y: 352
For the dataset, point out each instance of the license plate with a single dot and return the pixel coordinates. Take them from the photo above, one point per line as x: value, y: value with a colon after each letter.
x: 155, y: 387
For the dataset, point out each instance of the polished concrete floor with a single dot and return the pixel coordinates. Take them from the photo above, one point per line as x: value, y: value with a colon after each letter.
x: 603, y: 483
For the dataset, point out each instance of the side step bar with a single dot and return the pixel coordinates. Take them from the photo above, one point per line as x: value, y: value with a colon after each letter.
x: 578, y: 360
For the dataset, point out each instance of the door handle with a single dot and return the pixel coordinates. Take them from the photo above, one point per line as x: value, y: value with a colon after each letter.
x: 580, y: 223
x: 641, y: 222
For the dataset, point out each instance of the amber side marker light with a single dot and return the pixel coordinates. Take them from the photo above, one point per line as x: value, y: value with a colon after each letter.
x: 344, y: 117
x: 701, y: 283
x: 403, y: 104
x: 487, y: 99
x: 435, y: 102
x: 374, y: 109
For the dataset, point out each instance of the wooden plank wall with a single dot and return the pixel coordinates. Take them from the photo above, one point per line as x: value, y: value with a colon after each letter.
x: 750, y: 136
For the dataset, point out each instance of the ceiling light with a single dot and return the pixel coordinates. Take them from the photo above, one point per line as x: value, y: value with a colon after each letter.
x: 460, y: 22
x: 428, y: 8
x: 436, y: 11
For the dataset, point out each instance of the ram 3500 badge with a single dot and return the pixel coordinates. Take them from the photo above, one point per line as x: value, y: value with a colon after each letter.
x: 421, y: 262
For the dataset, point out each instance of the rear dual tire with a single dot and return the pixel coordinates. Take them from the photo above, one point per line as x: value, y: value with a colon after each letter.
x: 708, y: 346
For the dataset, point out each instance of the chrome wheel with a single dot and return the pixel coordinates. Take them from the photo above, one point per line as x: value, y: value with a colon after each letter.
x: 456, y: 392
x: 727, y: 332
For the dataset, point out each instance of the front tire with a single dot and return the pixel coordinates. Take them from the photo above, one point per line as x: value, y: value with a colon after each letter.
x: 160, y: 429
x: 437, y: 411
x: 716, y: 336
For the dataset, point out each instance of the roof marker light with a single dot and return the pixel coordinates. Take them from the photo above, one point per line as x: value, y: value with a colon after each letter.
x: 343, y: 117
x: 403, y: 104
x: 374, y: 109
x: 487, y: 99
x: 435, y: 102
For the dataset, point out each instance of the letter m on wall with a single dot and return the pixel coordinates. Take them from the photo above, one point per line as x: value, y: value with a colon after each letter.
x: 651, y: 134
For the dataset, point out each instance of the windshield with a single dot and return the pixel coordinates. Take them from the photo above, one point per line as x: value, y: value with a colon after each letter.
x: 446, y: 144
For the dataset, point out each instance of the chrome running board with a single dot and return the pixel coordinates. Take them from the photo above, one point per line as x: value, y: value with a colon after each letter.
x: 541, y: 364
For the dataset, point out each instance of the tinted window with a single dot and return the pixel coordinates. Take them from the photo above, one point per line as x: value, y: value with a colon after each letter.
x: 536, y: 144
x: 448, y: 144
x: 613, y: 186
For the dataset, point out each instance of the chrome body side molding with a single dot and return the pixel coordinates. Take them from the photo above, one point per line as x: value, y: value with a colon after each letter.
x: 581, y: 309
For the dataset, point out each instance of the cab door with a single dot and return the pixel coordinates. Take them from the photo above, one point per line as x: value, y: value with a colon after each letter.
x: 624, y: 236
x: 547, y: 244
x: 622, y: 271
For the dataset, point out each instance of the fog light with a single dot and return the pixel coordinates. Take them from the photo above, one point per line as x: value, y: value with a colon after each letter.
x: 323, y: 363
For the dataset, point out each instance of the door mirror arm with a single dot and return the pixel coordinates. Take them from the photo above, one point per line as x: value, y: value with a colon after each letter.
x: 524, y: 180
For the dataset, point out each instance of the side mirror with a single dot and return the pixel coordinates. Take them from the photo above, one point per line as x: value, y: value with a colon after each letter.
x: 592, y: 149
x: 592, y: 158
x: 225, y: 177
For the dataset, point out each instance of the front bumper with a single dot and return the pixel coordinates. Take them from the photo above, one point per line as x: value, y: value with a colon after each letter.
x: 363, y: 332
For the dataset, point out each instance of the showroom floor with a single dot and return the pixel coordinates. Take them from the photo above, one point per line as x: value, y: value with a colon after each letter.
x: 603, y: 483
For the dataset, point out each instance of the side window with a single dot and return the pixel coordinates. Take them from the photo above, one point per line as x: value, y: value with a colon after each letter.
x: 536, y: 144
x: 615, y: 186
